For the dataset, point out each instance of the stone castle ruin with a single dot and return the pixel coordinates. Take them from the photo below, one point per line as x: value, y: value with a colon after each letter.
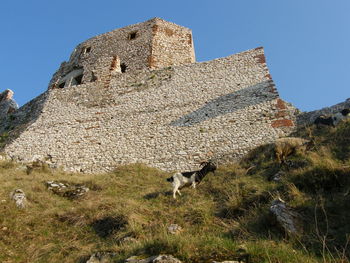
x: 136, y: 94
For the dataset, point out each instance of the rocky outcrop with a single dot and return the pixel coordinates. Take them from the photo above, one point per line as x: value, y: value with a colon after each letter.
x: 285, y: 218
x: 7, y: 104
x: 19, y: 197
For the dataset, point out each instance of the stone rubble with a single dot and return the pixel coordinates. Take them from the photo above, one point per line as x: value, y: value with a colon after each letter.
x: 70, y: 191
x: 19, y: 197
x: 154, y: 259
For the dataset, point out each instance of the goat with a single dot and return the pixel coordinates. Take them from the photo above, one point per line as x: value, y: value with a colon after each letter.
x: 334, y: 119
x: 329, y: 121
x: 180, y: 180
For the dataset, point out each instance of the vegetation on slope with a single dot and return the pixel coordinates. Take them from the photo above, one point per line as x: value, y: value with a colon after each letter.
x: 129, y: 210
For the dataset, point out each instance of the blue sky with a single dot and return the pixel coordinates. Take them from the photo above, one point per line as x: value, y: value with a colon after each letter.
x: 307, y: 42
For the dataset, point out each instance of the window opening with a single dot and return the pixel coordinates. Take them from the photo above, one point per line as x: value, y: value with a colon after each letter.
x: 123, y: 67
x: 78, y: 79
x: 61, y: 86
x: 87, y: 50
x: 132, y: 35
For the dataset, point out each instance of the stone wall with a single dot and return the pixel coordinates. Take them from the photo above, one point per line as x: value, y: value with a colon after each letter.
x: 152, y: 44
x: 171, y: 118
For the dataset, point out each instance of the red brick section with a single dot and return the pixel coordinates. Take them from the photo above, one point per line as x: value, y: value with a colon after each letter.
x: 282, y: 123
x: 114, y: 63
x: 189, y: 36
x: 268, y: 76
x: 261, y: 58
x: 280, y: 104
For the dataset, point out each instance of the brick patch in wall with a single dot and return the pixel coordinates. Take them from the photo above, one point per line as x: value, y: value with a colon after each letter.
x: 260, y: 58
x: 189, y: 36
x: 282, y: 123
x: 280, y: 104
x: 268, y: 76
x: 114, y: 63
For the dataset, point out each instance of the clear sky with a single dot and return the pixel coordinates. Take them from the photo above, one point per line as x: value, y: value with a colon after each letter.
x: 307, y: 42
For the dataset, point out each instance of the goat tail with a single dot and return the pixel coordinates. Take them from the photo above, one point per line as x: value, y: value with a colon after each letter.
x: 170, y: 179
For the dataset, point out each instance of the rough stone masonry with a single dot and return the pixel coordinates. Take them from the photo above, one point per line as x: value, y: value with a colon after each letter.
x: 136, y: 95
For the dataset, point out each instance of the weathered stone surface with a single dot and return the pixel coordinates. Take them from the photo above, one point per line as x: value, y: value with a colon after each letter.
x: 169, y: 118
x: 285, y: 217
x: 19, y: 197
x: 7, y: 103
x: 70, y: 191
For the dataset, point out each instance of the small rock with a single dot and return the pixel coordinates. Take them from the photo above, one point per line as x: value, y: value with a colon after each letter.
x: 70, y: 191
x: 19, y: 197
x: 166, y: 259
x: 101, y: 257
x: 129, y: 240
x: 278, y: 176
x: 153, y: 259
x: 174, y: 229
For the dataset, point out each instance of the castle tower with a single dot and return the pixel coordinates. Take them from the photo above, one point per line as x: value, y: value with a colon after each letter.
x: 152, y: 44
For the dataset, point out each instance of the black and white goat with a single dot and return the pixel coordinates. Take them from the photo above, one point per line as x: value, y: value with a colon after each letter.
x: 185, y: 179
x: 334, y: 119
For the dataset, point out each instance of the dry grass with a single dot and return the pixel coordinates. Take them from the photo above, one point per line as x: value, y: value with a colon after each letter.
x: 228, y: 210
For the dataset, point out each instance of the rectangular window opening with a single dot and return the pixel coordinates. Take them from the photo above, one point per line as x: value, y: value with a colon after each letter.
x: 132, y: 35
x: 78, y: 79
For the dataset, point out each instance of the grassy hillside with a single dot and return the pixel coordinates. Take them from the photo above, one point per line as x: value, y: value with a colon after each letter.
x: 129, y: 210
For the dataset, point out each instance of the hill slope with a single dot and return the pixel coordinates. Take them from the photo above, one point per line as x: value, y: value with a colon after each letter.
x: 128, y: 211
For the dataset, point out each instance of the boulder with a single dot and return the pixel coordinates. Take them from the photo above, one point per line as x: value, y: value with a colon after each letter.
x: 285, y: 218
x: 7, y: 103
x: 19, y: 197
